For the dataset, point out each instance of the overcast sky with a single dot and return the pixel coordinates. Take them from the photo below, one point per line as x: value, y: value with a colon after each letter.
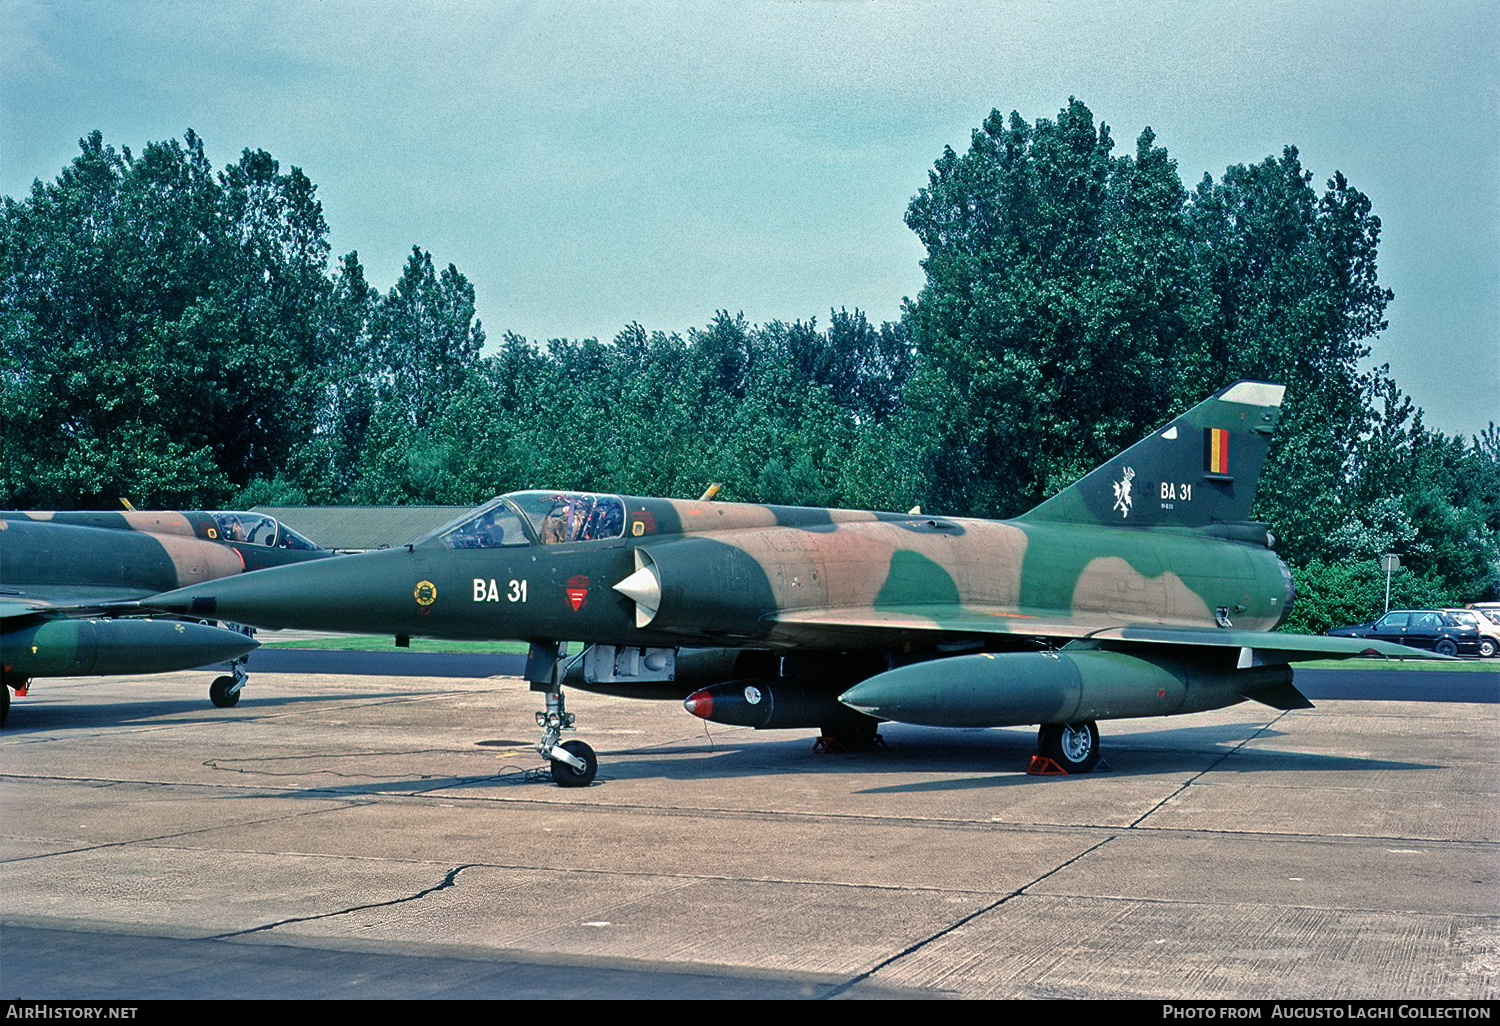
x: 587, y: 165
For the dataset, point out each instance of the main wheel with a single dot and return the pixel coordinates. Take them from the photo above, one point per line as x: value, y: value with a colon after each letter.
x: 1446, y: 646
x: 1073, y: 746
x: 564, y: 775
x: 1487, y: 647
x: 219, y: 692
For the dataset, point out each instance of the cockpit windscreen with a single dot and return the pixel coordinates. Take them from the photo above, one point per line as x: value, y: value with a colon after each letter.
x: 258, y: 529
x: 526, y: 518
x: 561, y: 517
x: 494, y: 526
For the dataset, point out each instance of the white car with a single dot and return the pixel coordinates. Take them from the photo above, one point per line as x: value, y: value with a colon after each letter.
x: 1489, y: 629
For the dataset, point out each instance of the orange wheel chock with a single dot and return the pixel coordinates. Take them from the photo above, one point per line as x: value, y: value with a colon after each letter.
x: 1041, y: 766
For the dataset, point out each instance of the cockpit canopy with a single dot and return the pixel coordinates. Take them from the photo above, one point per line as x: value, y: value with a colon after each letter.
x: 258, y: 529
x: 536, y: 518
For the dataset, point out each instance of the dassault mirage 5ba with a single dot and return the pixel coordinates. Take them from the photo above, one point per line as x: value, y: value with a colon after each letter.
x: 60, y: 572
x: 1141, y: 590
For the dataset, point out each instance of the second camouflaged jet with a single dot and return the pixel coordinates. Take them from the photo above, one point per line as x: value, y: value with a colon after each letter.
x: 60, y: 570
x: 1141, y: 590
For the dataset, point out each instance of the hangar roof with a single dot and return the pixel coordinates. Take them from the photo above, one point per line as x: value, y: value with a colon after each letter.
x: 357, y: 528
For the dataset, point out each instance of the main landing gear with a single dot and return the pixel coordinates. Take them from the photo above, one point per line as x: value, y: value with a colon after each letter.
x: 7, y: 682
x: 573, y: 762
x: 1073, y: 747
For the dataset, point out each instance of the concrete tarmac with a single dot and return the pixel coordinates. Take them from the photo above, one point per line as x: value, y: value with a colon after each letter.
x: 375, y: 837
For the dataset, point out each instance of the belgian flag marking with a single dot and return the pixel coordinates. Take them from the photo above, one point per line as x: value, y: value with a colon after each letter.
x: 1216, y: 450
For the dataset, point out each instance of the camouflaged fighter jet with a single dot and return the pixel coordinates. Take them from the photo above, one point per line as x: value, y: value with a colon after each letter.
x: 58, y: 571
x: 1141, y: 590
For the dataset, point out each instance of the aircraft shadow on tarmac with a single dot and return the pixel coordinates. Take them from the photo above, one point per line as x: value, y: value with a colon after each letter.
x: 414, y: 786
x: 1001, y: 755
x: 998, y: 757
x: 985, y: 758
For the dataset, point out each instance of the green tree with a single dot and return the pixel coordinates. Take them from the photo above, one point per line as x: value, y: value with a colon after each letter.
x: 427, y: 337
x: 328, y: 464
x: 1294, y: 298
x: 1338, y: 594
x: 156, y: 311
x: 1427, y: 496
x: 1060, y: 311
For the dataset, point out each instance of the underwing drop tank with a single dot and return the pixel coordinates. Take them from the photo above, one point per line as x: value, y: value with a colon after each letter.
x: 1070, y: 685
x: 84, y: 648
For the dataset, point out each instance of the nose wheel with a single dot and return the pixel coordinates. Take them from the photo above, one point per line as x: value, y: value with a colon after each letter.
x: 575, y: 765
x: 224, y: 692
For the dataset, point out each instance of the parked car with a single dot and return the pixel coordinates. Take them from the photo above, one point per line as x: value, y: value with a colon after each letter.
x: 1489, y: 630
x: 1418, y: 628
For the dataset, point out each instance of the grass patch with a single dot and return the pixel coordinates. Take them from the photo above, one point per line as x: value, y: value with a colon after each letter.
x: 1440, y: 665
x: 385, y: 643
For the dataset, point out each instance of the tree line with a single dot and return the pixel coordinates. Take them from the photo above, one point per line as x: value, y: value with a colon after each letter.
x: 181, y: 337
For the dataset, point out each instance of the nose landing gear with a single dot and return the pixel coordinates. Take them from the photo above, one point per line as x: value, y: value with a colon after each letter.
x: 573, y: 762
x: 224, y: 692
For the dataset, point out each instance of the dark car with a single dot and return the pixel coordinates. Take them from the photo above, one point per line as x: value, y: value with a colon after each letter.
x: 1418, y: 628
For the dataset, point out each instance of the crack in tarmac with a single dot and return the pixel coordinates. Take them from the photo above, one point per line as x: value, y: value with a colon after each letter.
x: 919, y: 945
x: 450, y: 880
x: 1190, y: 781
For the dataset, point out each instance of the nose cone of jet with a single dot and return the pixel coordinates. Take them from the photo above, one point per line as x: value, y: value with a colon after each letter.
x: 375, y: 592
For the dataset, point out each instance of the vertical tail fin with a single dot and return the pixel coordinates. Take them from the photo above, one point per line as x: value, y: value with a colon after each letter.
x: 1200, y: 469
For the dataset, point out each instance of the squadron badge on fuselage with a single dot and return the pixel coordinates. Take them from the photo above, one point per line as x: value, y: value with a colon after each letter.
x: 1123, y: 501
x: 578, y: 592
